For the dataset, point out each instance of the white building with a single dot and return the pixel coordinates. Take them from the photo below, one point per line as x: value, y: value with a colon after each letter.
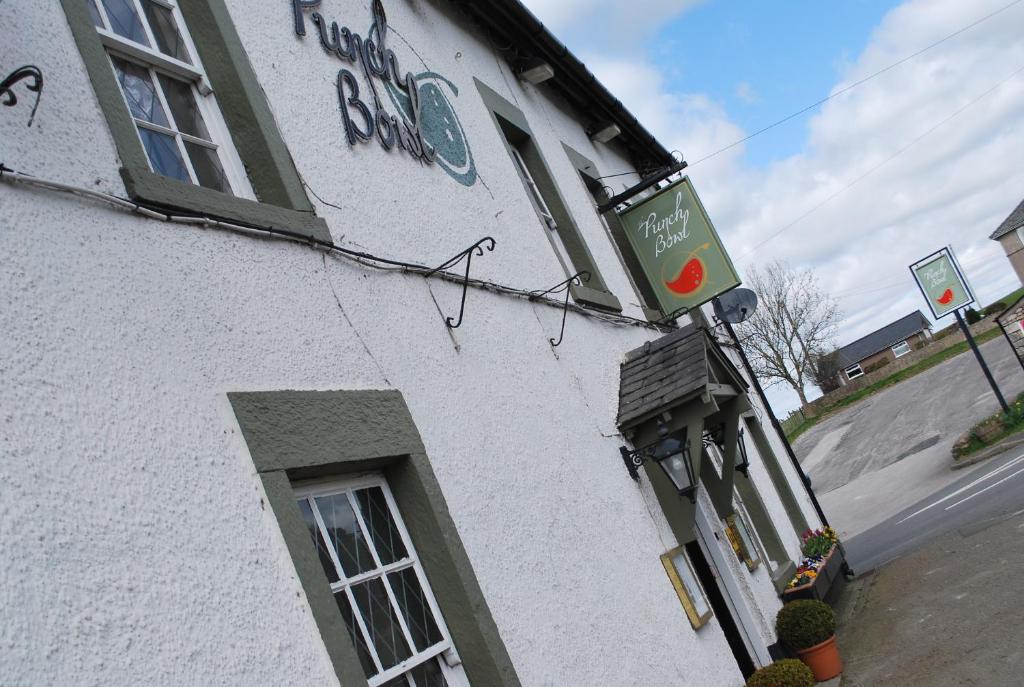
x: 193, y: 376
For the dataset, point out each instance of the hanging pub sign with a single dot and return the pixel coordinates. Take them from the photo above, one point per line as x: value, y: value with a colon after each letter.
x: 942, y: 283
x: 678, y: 248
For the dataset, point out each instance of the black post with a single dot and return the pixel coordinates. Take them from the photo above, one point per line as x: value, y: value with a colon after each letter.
x: 782, y: 435
x: 981, y: 361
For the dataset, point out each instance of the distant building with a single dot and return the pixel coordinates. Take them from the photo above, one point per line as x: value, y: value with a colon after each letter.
x: 886, y: 344
x: 1011, y: 235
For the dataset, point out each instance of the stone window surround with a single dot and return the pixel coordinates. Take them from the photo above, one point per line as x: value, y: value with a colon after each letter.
x: 617, y: 233
x: 283, y: 202
x: 505, y: 116
x: 295, y: 436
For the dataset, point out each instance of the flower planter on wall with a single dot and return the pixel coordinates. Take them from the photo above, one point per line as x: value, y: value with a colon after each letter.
x: 821, y: 585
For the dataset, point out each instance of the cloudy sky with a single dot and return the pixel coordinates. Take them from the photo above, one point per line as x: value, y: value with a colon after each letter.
x: 933, y: 148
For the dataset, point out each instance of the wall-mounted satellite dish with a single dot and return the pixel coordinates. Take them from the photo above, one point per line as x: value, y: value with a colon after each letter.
x: 735, y: 306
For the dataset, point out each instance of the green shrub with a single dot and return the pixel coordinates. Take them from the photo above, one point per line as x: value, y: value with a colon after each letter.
x: 874, y: 367
x: 788, y: 672
x: 994, y: 309
x: 805, y: 623
x: 972, y: 316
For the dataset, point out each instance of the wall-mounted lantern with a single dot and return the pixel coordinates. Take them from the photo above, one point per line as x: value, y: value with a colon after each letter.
x: 672, y: 455
x: 743, y: 465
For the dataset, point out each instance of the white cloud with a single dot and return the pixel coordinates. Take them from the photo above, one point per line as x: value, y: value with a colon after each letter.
x: 953, y: 187
x: 746, y: 93
x: 608, y: 22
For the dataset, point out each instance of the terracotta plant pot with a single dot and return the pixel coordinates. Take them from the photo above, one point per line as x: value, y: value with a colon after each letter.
x: 823, y: 659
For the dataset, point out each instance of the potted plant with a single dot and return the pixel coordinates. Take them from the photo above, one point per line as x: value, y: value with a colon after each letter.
x: 788, y: 672
x: 808, y: 627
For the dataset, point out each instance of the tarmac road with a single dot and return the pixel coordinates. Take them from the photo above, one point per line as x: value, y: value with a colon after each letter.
x: 987, y: 495
x: 892, y: 450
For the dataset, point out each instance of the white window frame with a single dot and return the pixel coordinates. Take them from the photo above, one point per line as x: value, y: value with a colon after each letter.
x: 857, y: 367
x: 904, y: 349
x: 150, y: 58
x: 451, y: 664
x: 540, y: 205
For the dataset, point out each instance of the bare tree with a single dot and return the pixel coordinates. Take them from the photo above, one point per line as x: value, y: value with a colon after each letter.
x: 793, y: 327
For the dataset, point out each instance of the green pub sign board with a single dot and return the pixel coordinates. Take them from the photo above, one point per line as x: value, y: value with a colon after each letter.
x: 942, y: 283
x: 678, y: 248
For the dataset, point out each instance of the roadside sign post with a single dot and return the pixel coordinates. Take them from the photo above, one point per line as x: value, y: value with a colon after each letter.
x: 946, y: 291
x: 981, y: 361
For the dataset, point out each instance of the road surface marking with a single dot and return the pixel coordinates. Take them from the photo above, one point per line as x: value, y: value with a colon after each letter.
x: 993, y: 473
x: 979, y: 493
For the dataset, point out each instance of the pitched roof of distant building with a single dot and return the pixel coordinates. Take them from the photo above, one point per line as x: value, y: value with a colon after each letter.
x: 886, y: 337
x: 1014, y: 221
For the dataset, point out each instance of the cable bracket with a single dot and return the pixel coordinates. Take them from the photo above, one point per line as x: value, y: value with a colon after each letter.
x: 576, y: 279
x: 477, y: 248
x: 10, y: 99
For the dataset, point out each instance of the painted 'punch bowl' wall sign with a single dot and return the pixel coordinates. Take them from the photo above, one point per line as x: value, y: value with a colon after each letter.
x: 416, y: 115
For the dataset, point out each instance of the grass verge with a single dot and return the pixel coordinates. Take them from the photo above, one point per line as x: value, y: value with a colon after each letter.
x: 991, y: 430
x: 893, y: 379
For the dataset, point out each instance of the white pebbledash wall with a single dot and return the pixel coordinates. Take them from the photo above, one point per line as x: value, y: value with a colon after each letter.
x: 135, y: 543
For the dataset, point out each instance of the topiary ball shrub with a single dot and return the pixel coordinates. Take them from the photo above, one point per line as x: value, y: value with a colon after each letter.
x: 805, y: 623
x: 785, y: 673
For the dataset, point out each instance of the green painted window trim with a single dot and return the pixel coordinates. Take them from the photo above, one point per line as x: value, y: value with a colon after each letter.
x: 283, y: 202
x: 782, y: 485
x: 298, y: 435
x: 505, y: 115
x: 588, y: 170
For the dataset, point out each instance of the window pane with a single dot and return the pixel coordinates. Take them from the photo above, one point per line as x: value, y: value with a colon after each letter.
x: 206, y: 164
x: 413, y: 604
x: 399, y: 681
x: 124, y: 20
x: 140, y: 92
x: 365, y: 660
x: 321, y: 547
x: 183, y: 107
x: 94, y: 13
x: 428, y: 675
x: 381, y: 524
x: 381, y: 622
x: 168, y: 39
x: 164, y: 154
x: 343, y: 532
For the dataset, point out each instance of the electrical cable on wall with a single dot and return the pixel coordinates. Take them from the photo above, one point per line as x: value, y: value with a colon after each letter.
x: 362, y: 258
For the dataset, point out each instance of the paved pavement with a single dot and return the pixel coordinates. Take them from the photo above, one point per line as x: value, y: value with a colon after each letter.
x: 947, y: 615
x: 892, y: 450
